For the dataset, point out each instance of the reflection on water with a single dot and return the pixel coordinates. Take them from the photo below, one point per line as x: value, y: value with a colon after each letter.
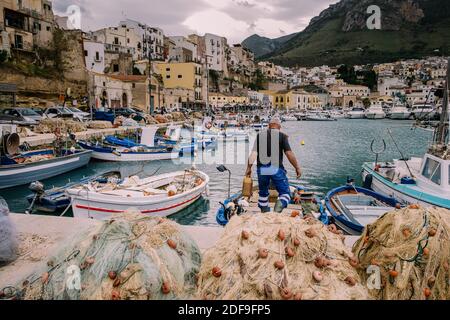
x: 332, y: 152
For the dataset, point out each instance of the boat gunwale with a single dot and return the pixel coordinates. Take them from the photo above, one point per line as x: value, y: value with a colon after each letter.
x: 407, y: 190
x: 116, y: 199
x: 79, y: 153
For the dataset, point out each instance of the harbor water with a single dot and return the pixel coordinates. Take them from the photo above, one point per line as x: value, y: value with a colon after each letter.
x: 332, y: 151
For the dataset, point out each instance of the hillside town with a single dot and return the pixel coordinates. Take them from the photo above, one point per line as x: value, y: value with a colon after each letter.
x: 112, y: 67
x: 138, y: 163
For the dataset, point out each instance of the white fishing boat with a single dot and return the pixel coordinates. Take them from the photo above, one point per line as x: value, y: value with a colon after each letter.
x: 375, y: 112
x: 424, y: 181
x: 287, y: 118
x: 157, y: 196
x: 423, y: 111
x: 356, y: 113
x: 399, y: 112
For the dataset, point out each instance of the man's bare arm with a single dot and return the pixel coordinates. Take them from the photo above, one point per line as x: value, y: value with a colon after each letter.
x: 293, y: 160
x: 251, y: 160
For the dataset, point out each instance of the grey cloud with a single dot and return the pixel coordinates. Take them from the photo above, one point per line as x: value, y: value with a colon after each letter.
x: 170, y: 14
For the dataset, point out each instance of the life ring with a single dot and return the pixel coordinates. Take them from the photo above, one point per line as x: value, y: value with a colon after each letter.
x: 208, y: 125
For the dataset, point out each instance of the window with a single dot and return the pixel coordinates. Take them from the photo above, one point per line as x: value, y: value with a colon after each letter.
x: 432, y: 171
x: 86, y: 53
x: 97, y: 56
x: 168, y: 76
x: 116, y: 40
x: 168, y: 69
x: 180, y: 76
x: 48, y: 28
x: 18, y: 41
x: 115, y: 68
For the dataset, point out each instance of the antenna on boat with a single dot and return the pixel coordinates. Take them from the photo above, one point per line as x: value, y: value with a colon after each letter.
x: 401, y: 153
x: 377, y: 153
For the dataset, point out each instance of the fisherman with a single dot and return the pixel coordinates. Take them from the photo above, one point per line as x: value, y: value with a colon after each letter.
x: 268, y: 151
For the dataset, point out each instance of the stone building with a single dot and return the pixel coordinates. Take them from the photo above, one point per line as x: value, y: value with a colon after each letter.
x: 26, y: 24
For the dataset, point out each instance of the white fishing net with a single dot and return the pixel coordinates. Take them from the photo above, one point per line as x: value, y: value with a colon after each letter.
x: 132, y: 257
x: 8, y: 238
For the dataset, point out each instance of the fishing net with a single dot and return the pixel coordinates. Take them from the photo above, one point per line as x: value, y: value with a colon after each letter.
x: 274, y: 257
x: 411, y: 250
x: 100, y: 125
x: 8, y: 239
x: 51, y: 125
x: 131, y: 257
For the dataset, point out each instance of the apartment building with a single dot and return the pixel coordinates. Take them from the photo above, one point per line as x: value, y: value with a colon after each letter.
x: 26, y: 24
x: 94, y: 55
x: 151, y: 39
x: 182, y: 75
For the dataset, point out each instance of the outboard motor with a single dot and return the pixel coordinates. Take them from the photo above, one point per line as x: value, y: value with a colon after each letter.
x: 38, y: 189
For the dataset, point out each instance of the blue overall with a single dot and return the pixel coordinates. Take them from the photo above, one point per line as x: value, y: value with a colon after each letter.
x: 278, y: 177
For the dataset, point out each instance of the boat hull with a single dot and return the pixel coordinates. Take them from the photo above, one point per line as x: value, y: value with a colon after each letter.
x: 106, y: 154
x: 355, y: 116
x: 94, y: 205
x: 375, y: 116
x: 17, y: 175
x: 401, y: 192
x: 400, y: 116
x: 366, y: 214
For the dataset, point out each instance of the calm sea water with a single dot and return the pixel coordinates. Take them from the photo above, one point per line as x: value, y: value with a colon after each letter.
x: 332, y: 152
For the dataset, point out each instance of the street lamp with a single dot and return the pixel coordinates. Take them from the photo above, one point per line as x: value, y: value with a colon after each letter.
x: 224, y: 169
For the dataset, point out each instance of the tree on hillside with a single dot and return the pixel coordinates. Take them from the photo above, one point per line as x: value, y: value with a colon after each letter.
x: 258, y: 82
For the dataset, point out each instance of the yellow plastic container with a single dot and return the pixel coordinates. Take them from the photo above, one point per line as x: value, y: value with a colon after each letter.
x: 247, y: 188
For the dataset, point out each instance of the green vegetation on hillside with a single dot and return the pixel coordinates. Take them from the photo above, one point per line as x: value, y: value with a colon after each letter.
x: 329, y: 45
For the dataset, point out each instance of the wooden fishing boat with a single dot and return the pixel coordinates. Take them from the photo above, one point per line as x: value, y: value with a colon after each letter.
x: 55, y: 199
x: 304, y: 202
x: 104, y: 152
x: 352, y: 208
x: 160, y: 196
x: 27, y: 167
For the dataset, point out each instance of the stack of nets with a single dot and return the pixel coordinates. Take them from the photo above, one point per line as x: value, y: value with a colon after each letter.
x: 274, y: 257
x: 8, y: 238
x: 100, y: 125
x: 411, y: 248
x: 131, y: 257
x: 51, y: 125
x: 178, y: 116
x: 161, y: 119
x: 149, y: 119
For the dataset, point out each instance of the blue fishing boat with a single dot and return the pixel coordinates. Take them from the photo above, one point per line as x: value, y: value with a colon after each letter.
x: 305, y: 202
x: 105, y: 152
x: 353, y: 208
x: 55, y: 199
x: 19, y: 167
x: 27, y: 167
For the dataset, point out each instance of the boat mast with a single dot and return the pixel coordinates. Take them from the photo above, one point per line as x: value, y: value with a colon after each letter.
x: 442, y: 131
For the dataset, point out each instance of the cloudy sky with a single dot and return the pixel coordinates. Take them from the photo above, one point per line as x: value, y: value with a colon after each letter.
x: 234, y: 19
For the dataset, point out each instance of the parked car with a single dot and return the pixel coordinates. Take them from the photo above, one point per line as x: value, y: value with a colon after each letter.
x: 80, y: 115
x: 16, y: 120
x: 29, y: 115
x: 25, y: 116
x: 128, y: 112
x: 58, y: 112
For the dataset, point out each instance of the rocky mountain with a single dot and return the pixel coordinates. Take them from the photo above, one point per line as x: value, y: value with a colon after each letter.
x: 409, y: 29
x: 262, y: 45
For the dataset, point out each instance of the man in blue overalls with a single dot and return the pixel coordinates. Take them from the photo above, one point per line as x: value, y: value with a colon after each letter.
x: 268, y: 151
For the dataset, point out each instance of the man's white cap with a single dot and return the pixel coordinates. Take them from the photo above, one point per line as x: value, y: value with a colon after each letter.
x: 275, y: 120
